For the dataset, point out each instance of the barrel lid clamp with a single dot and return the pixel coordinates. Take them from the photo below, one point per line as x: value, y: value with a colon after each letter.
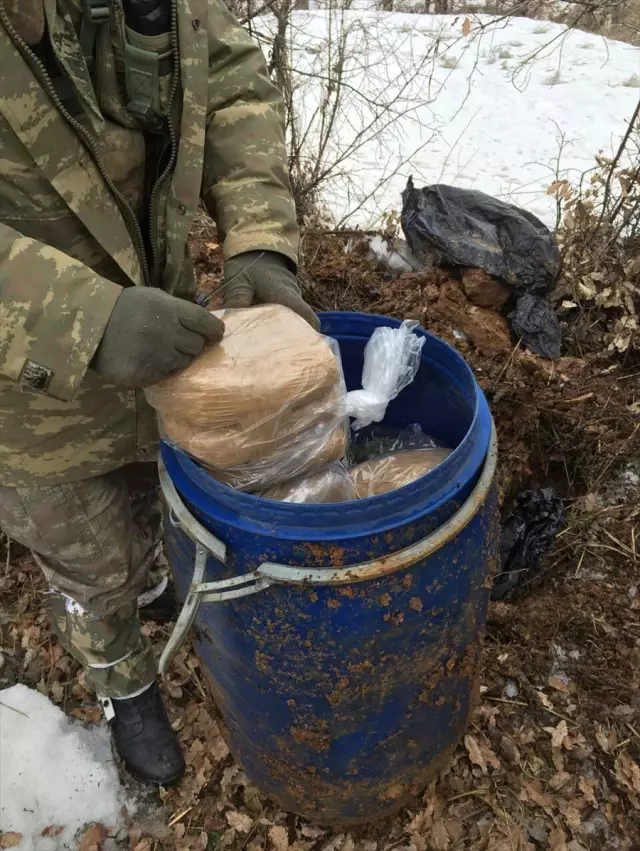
x: 269, y: 574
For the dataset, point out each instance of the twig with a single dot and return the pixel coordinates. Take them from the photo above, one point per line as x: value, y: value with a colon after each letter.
x: 19, y: 711
x: 620, y: 451
x: 616, y: 160
x: 496, y: 384
x: 7, y: 563
x: 502, y: 814
x: 260, y: 11
x: 179, y: 816
x: 633, y: 730
x: 504, y: 700
x: 577, y: 573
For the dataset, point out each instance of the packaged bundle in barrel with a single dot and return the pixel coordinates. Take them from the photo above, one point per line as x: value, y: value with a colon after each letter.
x: 263, y: 407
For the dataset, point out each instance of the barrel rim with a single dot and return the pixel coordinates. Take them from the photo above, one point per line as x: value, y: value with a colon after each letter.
x: 374, y: 515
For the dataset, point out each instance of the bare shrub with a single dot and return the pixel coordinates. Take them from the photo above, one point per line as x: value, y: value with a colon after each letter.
x: 356, y: 90
x: 346, y: 93
x: 599, y: 237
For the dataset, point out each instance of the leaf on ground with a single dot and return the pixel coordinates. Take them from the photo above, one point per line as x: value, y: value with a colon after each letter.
x: 57, y: 692
x: 544, y: 700
x: 52, y: 830
x: 90, y: 714
x: 587, y: 787
x: 603, y: 740
x: 240, y: 821
x: 572, y: 817
x: 558, y: 684
x: 624, y: 711
x: 559, y: 779
x: 509, y: 750
x: 174, y: 690
x: 535, y: 794
x: 311, y: 832
x: 229, y: 775
x: 558, y: 734
x: 92, y: 838
x: 334, y: 844
x: 418, y: 823
x: 10, y: 839
x: 627, y: 772
x: 279, y: 837
x: 466, y: 27
x: 439, y: 836
x: 201, y: 842
x: 218, y: 749
x: 558, y: 759
x: 252, y: 800
x: 557, y: 840
x: 455, y: 829
x: 475, y: 753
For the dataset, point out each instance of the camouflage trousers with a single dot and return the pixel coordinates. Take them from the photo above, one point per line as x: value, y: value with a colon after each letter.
x: 95, y: 540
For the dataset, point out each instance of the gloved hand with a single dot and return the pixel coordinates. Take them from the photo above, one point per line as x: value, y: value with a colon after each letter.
x: 150, y: 335
x: 263, y: 277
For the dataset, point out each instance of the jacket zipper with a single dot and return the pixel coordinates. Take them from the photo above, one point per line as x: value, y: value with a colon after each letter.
x: 153, y: 207
x: 134, y: 225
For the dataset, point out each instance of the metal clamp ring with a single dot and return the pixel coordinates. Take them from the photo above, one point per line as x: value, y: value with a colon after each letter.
x: 273, y: 573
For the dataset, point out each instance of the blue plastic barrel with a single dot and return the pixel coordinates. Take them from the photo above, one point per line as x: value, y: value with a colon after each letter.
x: 347, y: 675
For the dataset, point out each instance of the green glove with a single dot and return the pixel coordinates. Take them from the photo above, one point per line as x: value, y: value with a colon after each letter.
x: 263, y: 277
x: 150, y: 335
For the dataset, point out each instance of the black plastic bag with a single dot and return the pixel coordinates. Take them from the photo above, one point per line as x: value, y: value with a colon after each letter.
x: 463, y: 227
x: 535, y: 322
x: 527, y: 534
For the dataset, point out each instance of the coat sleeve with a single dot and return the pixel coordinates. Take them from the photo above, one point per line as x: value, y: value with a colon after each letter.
x: 246, y: 184
x: 53, y: 312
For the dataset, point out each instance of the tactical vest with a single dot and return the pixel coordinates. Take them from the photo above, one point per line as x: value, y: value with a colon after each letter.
x: 149, y: 24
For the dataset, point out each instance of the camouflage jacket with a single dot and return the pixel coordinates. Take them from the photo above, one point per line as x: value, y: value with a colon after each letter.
x: 99, y: 184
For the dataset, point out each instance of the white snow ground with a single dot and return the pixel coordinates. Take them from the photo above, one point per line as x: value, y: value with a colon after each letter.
x: 487, y: 109
x: 54, y: 773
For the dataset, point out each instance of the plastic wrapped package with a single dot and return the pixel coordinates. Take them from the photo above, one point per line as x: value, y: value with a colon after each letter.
x: 279, y: 462
x: 265, y: 405
x: 380, y: 440
x: 333, y: 483
x: 395, y: 470
x: 391, y: 361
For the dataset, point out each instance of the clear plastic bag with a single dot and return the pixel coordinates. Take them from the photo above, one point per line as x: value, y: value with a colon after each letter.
x: 391, y: 361
x: 331, y: 484
x: 265, y: 405
x: 395, y: 470
x: 380, y: 440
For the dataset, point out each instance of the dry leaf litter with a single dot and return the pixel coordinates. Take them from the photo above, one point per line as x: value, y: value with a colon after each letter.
x: 551, y: 759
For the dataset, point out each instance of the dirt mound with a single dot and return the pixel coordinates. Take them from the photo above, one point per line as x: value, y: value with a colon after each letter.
x: 552, y: 756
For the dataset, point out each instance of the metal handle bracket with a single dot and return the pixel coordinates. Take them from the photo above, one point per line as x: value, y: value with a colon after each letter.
x: 269, y: 574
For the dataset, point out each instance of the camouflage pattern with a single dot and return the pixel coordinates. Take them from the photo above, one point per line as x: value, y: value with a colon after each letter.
x: 72, y: 194
x: 95, y: 541
x: 117, y: 658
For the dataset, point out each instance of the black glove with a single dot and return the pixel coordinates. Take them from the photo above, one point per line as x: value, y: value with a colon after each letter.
x: 263, y: 277
x: 150, y: 335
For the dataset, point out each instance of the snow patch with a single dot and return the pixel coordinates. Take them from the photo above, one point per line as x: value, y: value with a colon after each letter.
x: 56, y: 773
x: 491, y: 110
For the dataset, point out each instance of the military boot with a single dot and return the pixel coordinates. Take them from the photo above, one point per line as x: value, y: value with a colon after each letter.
x: 144, y: 738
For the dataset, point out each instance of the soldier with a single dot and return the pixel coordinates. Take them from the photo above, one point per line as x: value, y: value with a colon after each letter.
x: 117, y: 117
